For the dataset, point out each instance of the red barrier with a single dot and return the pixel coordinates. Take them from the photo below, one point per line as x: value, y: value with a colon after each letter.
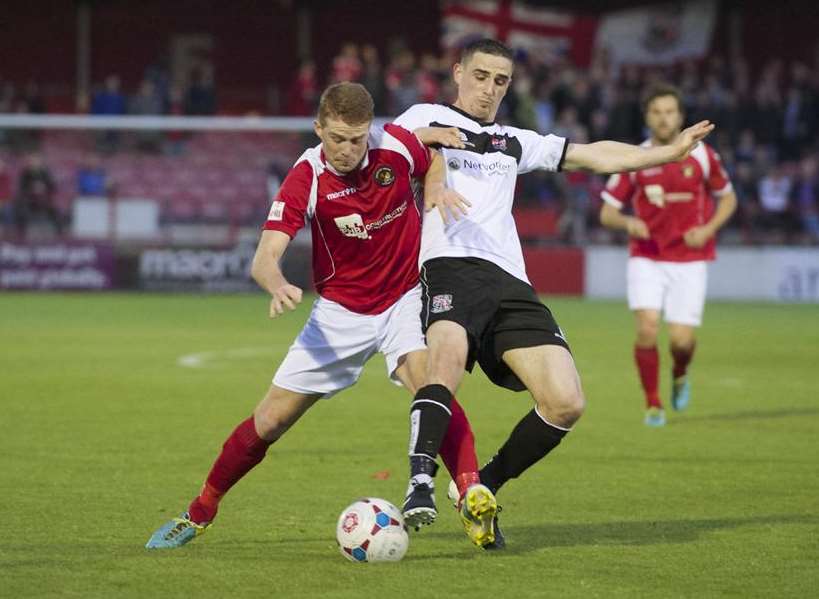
x: 555, y: 271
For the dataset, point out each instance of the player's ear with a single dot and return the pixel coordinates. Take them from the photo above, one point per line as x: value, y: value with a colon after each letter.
x: 457, y: 72
x: 317, y: 128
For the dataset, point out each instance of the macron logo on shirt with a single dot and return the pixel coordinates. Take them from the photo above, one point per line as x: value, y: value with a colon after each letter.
x: 341, y: 194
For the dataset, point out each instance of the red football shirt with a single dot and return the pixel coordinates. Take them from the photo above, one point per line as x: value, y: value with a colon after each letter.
x: 366, y: 224
x: 671, y: 199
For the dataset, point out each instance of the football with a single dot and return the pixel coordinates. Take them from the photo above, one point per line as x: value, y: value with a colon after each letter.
x: 372, y: 530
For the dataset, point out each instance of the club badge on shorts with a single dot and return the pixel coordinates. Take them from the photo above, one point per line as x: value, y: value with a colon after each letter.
x: 441, y: 303
x: 384, y: 176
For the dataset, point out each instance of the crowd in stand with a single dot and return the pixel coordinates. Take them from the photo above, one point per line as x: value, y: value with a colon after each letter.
x: 768, y: 122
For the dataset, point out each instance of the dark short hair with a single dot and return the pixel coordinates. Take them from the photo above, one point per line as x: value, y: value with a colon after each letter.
x: 487, y: 46
x: 349, y: 102
x: 662, y: 90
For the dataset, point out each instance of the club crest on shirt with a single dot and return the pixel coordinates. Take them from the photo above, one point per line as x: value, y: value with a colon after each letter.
x: 384, y: 176
x: 688, y: 171
x: 441, y: 303
x: 352, y: 225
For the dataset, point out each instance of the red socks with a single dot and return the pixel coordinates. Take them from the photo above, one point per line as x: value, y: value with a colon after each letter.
x: 648, y: 365
x: 458, y: 449
x: 682, y: 356
x: 244, y: 449
x: 240, y: 453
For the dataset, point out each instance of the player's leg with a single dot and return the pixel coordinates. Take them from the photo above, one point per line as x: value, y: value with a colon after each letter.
x: 454, y: 307
x: 549, y: 373
x: 242, y: 451
x: 684, y: 308
x: 405, y: 351
x: 646, y: 288
x: 647, y: 359
x: 472, y: 500
x: 458, y: 446
x: 327, y: 356
x: 430, y: 414
x: 247, y: 445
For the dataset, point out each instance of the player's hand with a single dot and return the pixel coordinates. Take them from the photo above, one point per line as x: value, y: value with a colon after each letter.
x: 637, y: 228
x: 286, y: 296
x: 449, y: 137
x: 450, y: 203
x: 696, y: 237
x: 688, y: 139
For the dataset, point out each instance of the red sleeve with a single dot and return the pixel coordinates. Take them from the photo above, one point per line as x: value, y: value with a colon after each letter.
x: 718, y: 181
x: 419, y: 153
x: 618, y: 191
x: 290, y: 204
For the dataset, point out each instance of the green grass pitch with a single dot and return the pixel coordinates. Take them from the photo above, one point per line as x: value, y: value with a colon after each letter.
x: 104, y: 436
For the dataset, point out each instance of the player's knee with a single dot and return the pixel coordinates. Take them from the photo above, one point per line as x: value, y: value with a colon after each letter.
x: 573, y: 404
x: 647, y: 332
x: 271, y: 423
x: 563, y: 406
x: 681, y: 340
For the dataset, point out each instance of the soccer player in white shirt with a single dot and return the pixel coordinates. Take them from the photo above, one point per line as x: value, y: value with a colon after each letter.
x: 478, y: 304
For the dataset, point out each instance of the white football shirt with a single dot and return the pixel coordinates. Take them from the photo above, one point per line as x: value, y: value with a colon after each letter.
x: 485, y: 173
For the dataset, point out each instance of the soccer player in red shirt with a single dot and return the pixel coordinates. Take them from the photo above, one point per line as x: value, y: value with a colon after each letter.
x: 672, y: 230
x: 355, y: 188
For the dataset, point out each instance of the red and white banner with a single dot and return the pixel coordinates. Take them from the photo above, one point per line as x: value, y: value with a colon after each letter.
x: 658, y: 34
x: 545, y: 32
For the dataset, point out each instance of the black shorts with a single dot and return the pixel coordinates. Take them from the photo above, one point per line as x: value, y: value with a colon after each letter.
x: 499, y: 312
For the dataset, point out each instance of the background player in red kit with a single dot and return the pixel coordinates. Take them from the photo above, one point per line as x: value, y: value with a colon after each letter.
x: 672, y: 231
x: 355, y: 188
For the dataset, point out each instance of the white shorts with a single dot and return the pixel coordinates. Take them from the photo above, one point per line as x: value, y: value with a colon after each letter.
x: 675, y: 288
x: 335, y: 343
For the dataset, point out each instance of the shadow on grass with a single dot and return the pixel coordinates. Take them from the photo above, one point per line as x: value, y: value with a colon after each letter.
x: 748, y: 415
x: 522, y: 539
x: 635, y: 533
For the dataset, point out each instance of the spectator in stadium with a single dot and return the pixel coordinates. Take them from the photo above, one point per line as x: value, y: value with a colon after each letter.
x: 200, y: 99
x: 175, y: 140
x: 805, y: 196
x: 33, y: 98
x: 108, y: 101
x: 372, y: 77
x: 347, y: 65
x: 147, y: 102
x: 774, y: 191
x: 35, y: 195
x: 303, y: 92
x: 6, y: 195
x: 7, y: 93
x: 92, y: 179
x: 400, y: 81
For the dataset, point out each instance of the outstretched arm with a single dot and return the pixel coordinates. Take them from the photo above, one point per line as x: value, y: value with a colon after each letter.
x: 615, y: 157
x: 268, y: 274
